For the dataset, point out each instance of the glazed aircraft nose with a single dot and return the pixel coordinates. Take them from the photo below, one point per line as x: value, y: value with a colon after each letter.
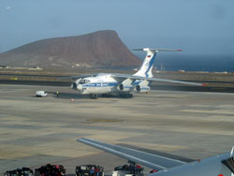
x: 74, y: 86
x: 79, y: 87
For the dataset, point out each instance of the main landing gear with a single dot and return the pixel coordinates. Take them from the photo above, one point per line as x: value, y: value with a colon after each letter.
x: 93, y: 96
x: 126, y: 95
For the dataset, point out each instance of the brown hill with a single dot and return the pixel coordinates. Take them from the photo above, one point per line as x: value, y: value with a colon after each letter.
x: 98, y: 49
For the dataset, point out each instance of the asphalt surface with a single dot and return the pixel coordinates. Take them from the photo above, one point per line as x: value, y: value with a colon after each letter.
x: 153, y: 86
x: 36, y: 131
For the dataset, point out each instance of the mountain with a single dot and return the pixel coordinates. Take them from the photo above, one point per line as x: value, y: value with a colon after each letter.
x: 98, y: 49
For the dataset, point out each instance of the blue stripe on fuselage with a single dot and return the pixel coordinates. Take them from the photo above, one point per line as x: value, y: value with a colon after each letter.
x: 145, y: 88
x: 104, y: 84
x: 150, y: 65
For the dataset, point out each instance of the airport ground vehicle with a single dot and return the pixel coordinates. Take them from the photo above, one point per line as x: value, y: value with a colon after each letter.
x: 128, y: 169
x: 19, y: 172
x: 50, y: 170
x: 89, y: 170
x: 41, y: 93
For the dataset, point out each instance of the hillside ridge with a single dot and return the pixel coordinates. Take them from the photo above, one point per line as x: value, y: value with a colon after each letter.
x: 97, y: 49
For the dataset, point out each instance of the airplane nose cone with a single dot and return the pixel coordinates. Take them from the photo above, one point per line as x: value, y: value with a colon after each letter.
x: 79, y: 87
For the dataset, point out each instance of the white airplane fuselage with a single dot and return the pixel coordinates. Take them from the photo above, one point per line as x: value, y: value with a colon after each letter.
x: 104, y: 83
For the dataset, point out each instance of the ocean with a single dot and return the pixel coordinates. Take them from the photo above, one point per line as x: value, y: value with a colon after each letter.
x: 194, y: 63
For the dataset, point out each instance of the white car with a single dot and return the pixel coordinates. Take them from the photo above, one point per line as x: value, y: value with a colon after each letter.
x: 41, y: 93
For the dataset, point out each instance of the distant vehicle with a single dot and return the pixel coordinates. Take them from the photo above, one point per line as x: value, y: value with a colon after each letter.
x: 123, y: 85
x: 128, y: 170
x: 19, y: 172
x: 50, y: 170
x: 41, y: 93
x: 89, y: 170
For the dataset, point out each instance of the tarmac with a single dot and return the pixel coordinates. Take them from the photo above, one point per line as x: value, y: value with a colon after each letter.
x: 36, y: 131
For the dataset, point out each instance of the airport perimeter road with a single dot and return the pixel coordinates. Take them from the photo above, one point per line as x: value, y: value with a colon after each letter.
x: 36, y: 131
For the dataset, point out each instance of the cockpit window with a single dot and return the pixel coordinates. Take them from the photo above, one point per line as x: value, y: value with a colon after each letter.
x: 84, y: 81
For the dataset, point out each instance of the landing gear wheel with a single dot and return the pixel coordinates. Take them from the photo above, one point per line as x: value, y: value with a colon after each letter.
x: 93, y: 96
x: 130, y: 95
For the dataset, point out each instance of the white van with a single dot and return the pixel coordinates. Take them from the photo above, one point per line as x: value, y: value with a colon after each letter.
x: 41, y: 93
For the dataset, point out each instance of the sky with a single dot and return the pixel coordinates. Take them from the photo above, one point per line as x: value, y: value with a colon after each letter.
x: 198, y: 27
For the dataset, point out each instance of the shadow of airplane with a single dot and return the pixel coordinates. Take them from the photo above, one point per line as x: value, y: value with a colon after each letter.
x: 64, y: 95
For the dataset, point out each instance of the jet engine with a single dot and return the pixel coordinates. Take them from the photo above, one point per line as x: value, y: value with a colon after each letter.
x: 123, y: 87
x: 142, y: 89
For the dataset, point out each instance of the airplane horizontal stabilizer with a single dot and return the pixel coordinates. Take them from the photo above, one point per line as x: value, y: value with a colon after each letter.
x: 149, y: 160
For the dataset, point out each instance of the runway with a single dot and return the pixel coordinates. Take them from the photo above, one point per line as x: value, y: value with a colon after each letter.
x: 36, y: 131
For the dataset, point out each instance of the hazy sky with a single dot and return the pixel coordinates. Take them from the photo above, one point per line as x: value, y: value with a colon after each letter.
x: 196, y: 26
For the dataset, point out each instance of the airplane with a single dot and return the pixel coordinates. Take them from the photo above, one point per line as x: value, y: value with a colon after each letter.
x: 117, y: 84
x: 220, y: 165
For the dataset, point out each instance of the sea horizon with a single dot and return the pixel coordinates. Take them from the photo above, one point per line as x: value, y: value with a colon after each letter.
x: 215, y: 63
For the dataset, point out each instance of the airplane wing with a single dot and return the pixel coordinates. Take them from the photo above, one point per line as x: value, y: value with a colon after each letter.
x: 126, y: 76
x: 133, y: 77
x: 77, y: 77
x: 149, y: 160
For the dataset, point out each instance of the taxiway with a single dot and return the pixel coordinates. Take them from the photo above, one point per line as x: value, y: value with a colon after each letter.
x: 36, y: 131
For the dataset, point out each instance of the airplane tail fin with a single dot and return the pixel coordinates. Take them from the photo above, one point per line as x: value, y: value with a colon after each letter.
x: 148, y: 63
